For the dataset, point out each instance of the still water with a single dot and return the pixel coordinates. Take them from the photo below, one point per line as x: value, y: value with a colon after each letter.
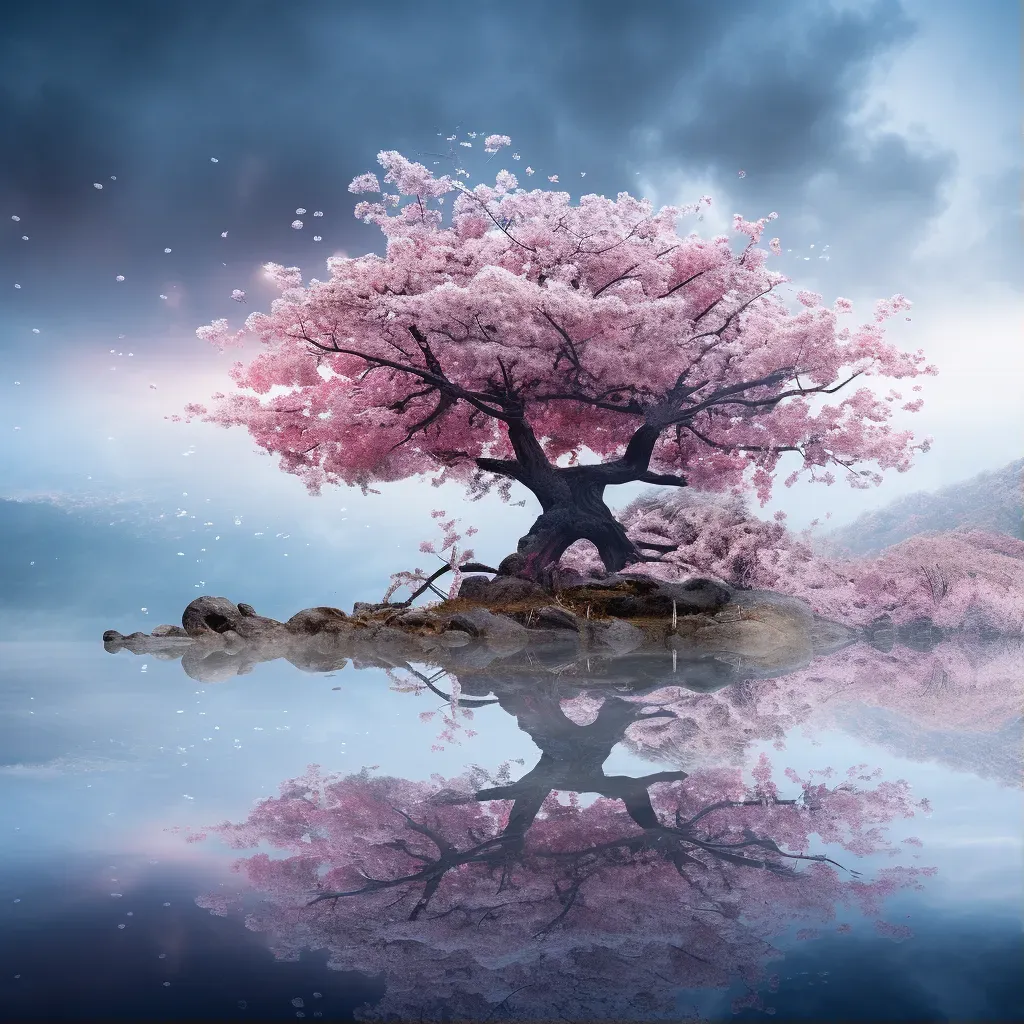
x: 513, y: 846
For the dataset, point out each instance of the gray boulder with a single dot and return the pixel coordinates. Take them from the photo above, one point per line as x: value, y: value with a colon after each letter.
x: 497, y: 631
x: 616, y: 635
x: 455, y: 638
x: 509, y: 589
x: 415, y: 617
x: 554, y: 617
x: 206, y: 616
x: 318, y: 620
x: 166, y: 630
x: 474, y: 588
x: 369, y: 607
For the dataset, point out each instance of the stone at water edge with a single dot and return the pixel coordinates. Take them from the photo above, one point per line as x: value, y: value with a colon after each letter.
x: 497, y: 631
x: 167, y: 630
x: 208, y: 615
x: 369, y: 607
x: 455, y: 638
x: 618, y: 635
x: 322, y: 619
x: 415, y: 617
x: 555, y: 617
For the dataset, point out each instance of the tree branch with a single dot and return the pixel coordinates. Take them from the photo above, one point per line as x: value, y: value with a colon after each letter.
x: 428, y: 585
x: 683, y: 284
x: 667, y: 479
x: 503, y: 467
x: 757, y: 402
x: 440, y: 381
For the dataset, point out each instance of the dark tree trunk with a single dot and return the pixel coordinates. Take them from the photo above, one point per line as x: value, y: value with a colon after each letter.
x: 583, y: 516
x: 572, y: 499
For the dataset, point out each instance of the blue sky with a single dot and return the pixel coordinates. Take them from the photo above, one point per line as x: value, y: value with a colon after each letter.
x: 886, y: 132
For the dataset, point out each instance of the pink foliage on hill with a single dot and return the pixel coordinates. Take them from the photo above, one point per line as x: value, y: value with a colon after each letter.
x: 947, y: 577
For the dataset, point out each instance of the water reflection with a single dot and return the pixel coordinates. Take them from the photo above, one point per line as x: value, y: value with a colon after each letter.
x: 479, y: 896
x: 571, y: 892
x: 540, y: 836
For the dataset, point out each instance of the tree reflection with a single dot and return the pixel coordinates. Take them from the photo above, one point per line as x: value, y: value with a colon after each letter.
x: 564, y: 894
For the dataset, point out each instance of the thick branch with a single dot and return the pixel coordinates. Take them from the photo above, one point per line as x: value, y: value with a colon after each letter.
x: 666, y: 479
x: 503, y: 467
x: 445, y: 402
x: 633, y: 464
x: 475, y: 398
x: 526, y: 446
x: 683, y: 284
x: 630, y: 408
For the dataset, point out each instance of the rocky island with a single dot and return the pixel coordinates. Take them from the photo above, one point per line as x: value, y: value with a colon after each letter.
x: 621, y: 630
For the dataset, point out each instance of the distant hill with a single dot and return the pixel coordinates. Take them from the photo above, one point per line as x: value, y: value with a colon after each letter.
x: 989, y: 501
x: 70, y: 567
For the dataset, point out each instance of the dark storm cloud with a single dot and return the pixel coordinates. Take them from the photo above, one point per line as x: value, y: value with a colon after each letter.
x: 295, y: 99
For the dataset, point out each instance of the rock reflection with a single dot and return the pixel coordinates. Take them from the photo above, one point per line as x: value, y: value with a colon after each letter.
x: 715, y: 701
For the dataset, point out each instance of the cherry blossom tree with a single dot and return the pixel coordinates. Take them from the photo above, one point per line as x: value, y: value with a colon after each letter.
x: 502, y: 344
x: 481, y: 896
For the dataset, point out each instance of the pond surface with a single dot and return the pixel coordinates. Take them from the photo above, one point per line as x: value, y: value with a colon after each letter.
x: 537, y: 852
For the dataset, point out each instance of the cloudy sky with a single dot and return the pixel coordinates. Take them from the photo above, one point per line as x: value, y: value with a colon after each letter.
x: 884, y: 134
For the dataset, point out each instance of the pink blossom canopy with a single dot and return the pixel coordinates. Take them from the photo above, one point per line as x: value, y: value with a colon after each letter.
x: 582, y: 324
